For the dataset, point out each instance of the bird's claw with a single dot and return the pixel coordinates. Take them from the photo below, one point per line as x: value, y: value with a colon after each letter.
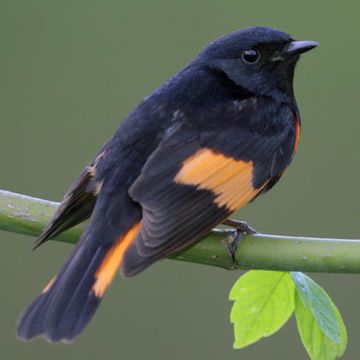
x: 233, y: 239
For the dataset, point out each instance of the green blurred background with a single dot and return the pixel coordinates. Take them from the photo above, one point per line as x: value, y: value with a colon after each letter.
x: 71, y: 70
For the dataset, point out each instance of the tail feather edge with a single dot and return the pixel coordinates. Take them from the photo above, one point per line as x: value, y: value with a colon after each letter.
x: 70, y: 300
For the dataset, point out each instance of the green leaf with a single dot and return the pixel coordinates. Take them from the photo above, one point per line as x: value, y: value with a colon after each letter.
x: 264, y: 301
x: 320, y: 325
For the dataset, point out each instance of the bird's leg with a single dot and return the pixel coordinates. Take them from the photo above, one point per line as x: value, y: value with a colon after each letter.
x: 233, y: 240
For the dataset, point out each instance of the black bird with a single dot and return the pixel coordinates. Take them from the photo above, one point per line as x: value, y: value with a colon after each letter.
x: 200, y: 147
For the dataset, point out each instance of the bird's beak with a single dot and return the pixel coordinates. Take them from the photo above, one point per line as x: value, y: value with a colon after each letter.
x: 299, y: 47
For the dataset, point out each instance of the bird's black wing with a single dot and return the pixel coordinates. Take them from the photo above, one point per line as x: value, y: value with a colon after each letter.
x: 197, y: 178
x: 77, y: 204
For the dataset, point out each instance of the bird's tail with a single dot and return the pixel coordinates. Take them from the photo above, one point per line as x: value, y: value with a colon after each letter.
x: 71, y: 298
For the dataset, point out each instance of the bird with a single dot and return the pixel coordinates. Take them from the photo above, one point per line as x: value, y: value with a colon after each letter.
x: 208, y: 141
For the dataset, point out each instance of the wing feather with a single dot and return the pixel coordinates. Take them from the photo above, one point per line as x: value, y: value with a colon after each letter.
x: 77, y: 205
x: 197, y: 177
x: 189, y: 185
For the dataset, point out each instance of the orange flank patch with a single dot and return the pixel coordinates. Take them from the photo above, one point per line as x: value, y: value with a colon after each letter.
x: 229, y: 179
x: 49, y: 285
x: 111, y: 263
x: 297, y: 136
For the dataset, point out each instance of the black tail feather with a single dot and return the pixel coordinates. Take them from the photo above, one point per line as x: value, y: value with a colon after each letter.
x: 62, y: 311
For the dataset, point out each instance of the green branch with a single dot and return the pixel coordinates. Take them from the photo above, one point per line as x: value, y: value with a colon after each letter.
x: 27, y: 215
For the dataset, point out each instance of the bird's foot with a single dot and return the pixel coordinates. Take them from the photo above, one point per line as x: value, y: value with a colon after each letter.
x: 242, y: 228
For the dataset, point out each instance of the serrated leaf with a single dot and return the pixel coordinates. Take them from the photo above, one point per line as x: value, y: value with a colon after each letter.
x: 264, y: 301
x: 320, y: 325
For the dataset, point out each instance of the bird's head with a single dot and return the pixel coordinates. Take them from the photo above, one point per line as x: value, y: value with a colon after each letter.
x: 260, y: 59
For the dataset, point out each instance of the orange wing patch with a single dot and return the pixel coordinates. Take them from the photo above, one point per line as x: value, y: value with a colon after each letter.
x: 112, y: 261
x: 297, y: 136
x: 49, y: 285
x: 229, y: 179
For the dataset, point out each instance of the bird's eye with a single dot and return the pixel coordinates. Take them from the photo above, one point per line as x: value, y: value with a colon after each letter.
x: 251, y: 56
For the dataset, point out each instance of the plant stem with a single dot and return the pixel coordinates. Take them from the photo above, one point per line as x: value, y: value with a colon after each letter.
x: 26, y: 215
